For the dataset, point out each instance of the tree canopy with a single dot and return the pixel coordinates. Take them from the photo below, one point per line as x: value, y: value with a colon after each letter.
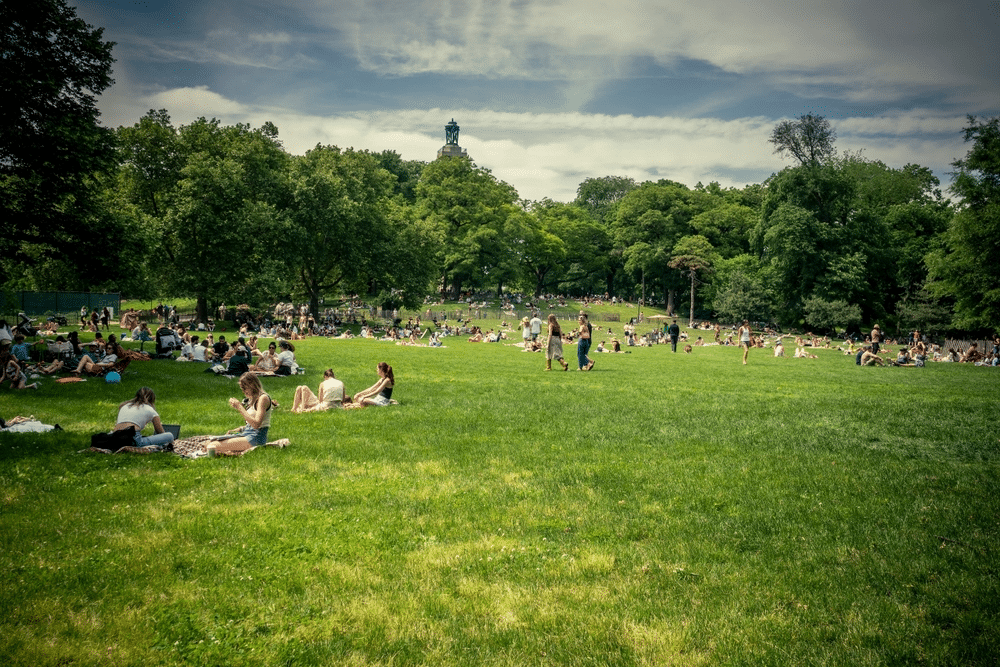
x: 52, y: 65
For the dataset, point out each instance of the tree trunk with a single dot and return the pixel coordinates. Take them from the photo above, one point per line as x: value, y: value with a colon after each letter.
x: 691, y: 318
x: 314, y: 305
x: 201, y: 309
x: 671, y: 293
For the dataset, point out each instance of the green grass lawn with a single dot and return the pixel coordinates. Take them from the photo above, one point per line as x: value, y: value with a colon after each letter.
x: 663, y: 509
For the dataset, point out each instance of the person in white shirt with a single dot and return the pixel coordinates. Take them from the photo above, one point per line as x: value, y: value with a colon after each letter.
x: 138, y: 413
x: 536, y: 327
x: 331, y: 395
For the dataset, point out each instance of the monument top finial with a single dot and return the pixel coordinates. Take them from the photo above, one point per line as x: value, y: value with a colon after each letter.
x: 451, y: 133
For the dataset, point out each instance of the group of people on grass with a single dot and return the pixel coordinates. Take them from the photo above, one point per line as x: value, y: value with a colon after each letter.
x: 555, y: 337
x: 255, y: 409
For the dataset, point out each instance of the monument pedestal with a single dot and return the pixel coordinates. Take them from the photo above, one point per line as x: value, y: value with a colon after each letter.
x: 452, y: 150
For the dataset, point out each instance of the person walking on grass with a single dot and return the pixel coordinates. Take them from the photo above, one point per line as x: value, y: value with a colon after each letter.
x: 583, y: 344
x: 744, y: 334
x: 553, y: 347
x: 536, y: 327
x: 674, y: 332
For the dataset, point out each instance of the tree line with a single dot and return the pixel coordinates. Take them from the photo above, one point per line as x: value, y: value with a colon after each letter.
x: 224, y: 213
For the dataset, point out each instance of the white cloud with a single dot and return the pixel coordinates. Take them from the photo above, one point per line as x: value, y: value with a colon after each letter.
x: 549, y: 154
x: 842, y: 48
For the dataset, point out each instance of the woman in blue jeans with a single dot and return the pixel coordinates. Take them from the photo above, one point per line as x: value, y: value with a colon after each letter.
x: 583, y: 345
x: 137, y: 414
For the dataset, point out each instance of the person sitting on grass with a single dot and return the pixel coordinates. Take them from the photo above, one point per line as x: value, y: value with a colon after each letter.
x: 869, y: 358
x: 137, y: 413
x: 903, y: 358
x: 91, y: 367
x: 779, y: 348
x: 286, y: 359
x: 331, y: 395
x: 20, y: 349
x: 256, y: 412
x: 13, y: 372
x: 268, y: 360
x: 380, y: 393
x: 972, y: 355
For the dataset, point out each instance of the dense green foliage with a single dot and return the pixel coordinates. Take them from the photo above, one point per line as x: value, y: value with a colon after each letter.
x: 52, y: 214
x: 660, y: 509
x: 967, y: 266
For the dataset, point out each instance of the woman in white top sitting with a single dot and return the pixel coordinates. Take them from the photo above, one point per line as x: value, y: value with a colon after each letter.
x: 137, y: 414
x: 286, y: 359
x: 331, y: 395
x: 268, y: 360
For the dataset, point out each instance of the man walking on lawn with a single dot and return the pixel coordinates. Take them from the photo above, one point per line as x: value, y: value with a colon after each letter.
x: 674, y: 332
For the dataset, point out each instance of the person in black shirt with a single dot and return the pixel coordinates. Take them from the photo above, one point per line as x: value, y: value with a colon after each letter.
x: 674, y: 332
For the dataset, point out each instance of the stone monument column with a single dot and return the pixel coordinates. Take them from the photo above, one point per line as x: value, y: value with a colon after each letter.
x: 451, y: 147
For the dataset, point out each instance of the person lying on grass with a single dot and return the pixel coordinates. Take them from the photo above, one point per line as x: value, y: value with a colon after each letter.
x: 331, y: 395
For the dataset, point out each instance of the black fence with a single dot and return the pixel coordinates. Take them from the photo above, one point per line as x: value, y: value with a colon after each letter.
x: 50, y: 303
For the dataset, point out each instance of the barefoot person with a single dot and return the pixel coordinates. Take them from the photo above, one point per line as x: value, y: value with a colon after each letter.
x: 380, y: 393
x: 256, y: 412
x: 331, y: 395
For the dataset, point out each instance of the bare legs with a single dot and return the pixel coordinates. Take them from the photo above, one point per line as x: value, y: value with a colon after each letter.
x: 305, y: 400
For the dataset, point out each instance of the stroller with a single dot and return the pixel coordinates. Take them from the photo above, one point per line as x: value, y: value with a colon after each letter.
x: 166, y: 343
x: 25, y: 326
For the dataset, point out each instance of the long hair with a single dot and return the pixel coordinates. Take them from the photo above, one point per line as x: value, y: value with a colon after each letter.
x: 554, y: 325
x: 250, y: 384
x: 386, y: 370
x: 145, y: 396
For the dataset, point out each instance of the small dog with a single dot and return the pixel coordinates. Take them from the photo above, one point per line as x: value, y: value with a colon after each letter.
x: 687, y: 349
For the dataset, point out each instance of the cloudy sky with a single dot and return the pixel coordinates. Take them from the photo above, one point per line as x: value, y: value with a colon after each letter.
x: 550, y: 92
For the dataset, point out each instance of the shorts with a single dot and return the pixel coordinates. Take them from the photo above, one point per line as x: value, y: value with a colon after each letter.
x: 380, y: 400
x: 255, y: 436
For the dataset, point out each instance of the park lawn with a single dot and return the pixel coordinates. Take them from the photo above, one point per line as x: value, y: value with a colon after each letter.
x: 661, y: 509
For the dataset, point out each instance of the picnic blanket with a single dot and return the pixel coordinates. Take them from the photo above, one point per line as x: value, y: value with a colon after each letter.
x: 194, y: 447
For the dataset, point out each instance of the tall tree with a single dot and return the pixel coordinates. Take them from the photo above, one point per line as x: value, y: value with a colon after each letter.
x: 468, y: 208
x: 225, y: 230
x: 560, y: 245
x: 656, y: 215
x: 339, y: 204
x: 600, y: 195
x: 693, y: 255
x: 52, y: 65
x: 808, y: 139
x: 967, y: 266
